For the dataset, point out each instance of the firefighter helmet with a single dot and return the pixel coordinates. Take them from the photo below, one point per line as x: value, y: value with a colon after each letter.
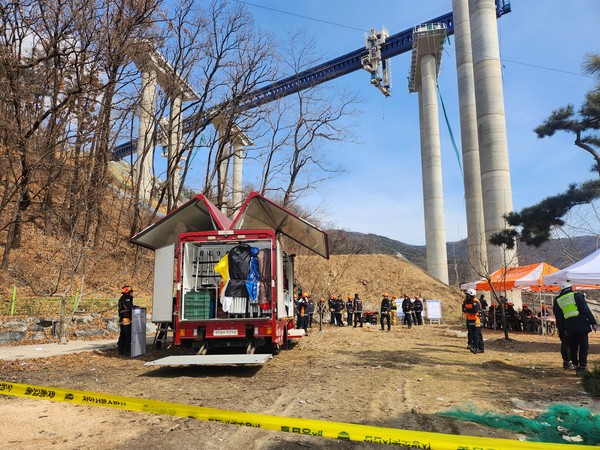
x: 471, y: 292
x: 126, y: 290
x: 385, y: 294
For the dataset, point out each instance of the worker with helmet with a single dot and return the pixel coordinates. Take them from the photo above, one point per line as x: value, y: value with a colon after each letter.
x: 385, y: 311
x: 349, y: 310
x: 484, y: 306
x: 418, y: 307
x: 472, y: 309
x: 575, y: 320
x: 512, y: 319
x: 526, y: 314
x: 331, y: 305
x: 339, y: 311
x: 394, y: 313
x: 302, y: 309
x: 357, y: 306
x: 125, y: 307
x: 407, y: 309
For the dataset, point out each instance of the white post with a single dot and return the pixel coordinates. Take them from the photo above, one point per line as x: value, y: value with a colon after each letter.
x: 476, y: 241
x: 238, y: 161
x: 431, y: 166
x: 491, y: 125
x: 145, y: 147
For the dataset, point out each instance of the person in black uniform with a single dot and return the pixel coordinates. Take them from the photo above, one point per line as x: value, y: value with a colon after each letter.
x: 358, y: 308
x: 349, y: 310
x: 331, y: 305
x: 418, y: 306
x: 472, y: 309
x: 484, y: 306
x: 575, y: 320
x: 385, y: 311
x: 302, y: 308
x: 339, y: 312
x: 310, y: 310
x: 407, y: 308
x: 125, y: 313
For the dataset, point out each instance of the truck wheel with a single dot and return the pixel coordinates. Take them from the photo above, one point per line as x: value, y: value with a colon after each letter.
x: 203, y: 350
x: 273, y: 348
x: 250, y: 347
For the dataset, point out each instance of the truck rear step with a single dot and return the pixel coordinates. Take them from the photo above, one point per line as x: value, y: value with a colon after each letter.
x: 211, y: 360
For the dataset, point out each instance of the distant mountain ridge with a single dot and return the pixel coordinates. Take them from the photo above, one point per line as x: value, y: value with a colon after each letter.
x: 557, y: 252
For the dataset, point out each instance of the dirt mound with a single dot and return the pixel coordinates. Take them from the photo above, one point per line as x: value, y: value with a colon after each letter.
x: 370, y: 276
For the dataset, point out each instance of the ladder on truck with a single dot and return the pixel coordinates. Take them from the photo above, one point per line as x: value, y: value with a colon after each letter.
x: 161, y: 337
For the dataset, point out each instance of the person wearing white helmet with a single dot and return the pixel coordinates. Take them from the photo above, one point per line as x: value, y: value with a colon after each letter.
x: 472, y: 309
x: 575, y: 320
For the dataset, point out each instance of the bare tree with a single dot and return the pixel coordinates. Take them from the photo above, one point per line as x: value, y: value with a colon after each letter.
x: 218, y: 49
x: 497, y: 288
x: 61, y: 62
x: 293, y: 160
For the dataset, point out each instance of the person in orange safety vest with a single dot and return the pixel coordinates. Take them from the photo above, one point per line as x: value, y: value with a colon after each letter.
x: 472, y: 309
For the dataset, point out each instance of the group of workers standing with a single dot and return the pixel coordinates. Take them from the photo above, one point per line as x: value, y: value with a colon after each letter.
x: 412, y: 311
x: 305, y: 309
x: 574, y: 322
x: 353, y: 308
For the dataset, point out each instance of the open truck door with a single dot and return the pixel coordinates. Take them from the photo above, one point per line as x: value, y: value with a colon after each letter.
x: 198, y: 214
x: 259, y: 212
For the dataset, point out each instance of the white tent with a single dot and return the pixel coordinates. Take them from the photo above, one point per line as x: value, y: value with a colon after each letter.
x: 586, y: 271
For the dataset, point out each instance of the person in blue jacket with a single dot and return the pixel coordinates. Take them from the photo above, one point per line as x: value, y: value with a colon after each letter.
x: 575, y: 320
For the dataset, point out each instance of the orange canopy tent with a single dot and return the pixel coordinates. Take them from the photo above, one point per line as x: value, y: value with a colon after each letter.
x: 520, y: 277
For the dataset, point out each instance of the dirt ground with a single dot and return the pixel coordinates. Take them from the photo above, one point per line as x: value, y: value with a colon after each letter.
x: 398, y: 379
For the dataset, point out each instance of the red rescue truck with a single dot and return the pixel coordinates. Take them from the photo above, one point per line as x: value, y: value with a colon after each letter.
x: 220, y: 283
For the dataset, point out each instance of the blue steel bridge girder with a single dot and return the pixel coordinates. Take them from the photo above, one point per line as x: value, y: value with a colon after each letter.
x: 350, y: 62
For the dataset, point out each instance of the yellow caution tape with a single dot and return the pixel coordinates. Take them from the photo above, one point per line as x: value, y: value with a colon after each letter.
x: 310, y: 427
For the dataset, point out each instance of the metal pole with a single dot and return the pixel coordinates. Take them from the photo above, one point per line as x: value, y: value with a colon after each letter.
x: 75, y: 299
x: 12, y: 304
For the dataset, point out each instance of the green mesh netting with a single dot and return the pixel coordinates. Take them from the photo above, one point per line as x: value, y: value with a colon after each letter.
x: 550, y: 426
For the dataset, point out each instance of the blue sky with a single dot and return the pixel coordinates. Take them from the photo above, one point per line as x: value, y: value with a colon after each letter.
x: 542, y: 46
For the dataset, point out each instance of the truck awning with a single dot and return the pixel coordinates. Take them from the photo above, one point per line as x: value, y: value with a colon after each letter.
x: 260, y: 213
x: 198, y: 214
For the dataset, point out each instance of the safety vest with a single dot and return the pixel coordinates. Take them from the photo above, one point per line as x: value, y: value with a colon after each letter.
x: 567, y: 305
x: 472, y: 312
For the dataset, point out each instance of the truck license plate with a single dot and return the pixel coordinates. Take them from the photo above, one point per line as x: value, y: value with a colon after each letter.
x: 225, y: 333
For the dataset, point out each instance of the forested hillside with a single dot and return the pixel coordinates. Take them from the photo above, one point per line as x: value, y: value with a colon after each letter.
x: 557, y: 252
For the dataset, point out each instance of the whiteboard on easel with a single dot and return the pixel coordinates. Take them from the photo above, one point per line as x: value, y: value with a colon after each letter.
x: 434, y: 310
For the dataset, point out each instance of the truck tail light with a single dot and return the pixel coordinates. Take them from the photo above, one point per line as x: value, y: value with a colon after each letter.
x: 263, y: 331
